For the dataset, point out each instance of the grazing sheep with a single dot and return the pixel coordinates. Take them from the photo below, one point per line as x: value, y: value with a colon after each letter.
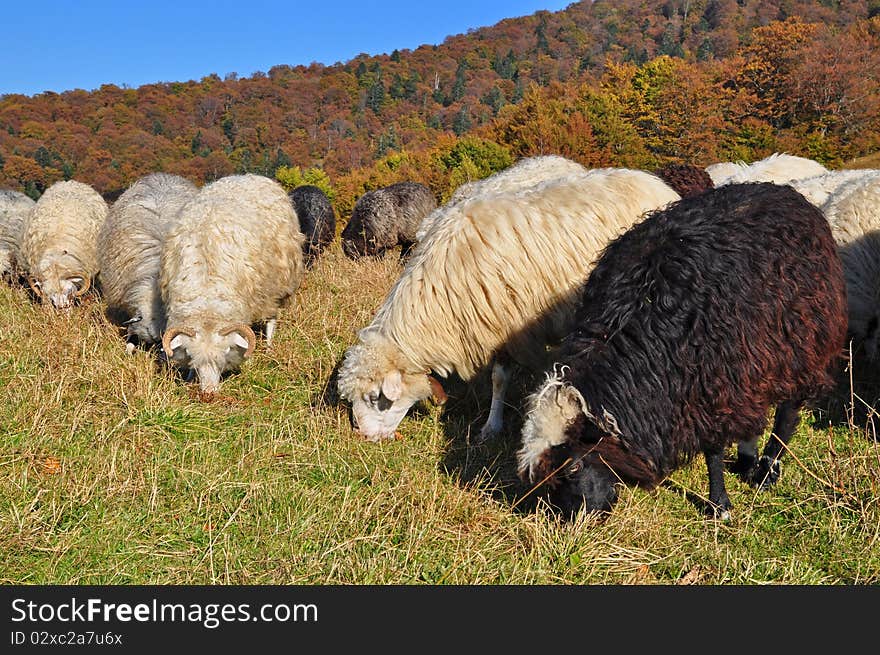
x: 59, y: 241
x: 778, y: 168
x: 129, y: 249
x: 14, y: 206
x: 317, y: 220
x: 524, y: 173
x: 690, y: 327
x: 492, y: 279
x: 819, y: 188
x: 386, y: 218
x: 687, y: 180
x: 853, y: 211
x: 231, y: 260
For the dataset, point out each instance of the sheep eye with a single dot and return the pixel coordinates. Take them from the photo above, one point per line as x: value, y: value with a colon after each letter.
x: 574, y: 468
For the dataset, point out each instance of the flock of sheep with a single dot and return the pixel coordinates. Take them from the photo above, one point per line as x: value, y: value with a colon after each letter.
x: 669, y: 310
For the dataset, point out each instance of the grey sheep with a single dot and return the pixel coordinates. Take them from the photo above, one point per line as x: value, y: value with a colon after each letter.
x: 14, y: 206
x: 385, y: 218
x: 129, y: 249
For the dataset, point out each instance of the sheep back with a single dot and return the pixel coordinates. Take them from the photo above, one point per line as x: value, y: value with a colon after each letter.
x: 778, y: 168
x: 685, y: 179
x: 130, y: 246
x: 522, y: 174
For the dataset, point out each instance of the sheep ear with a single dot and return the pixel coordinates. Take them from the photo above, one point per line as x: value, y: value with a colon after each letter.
x: 239, y: 341
x: 392, y: 386
x: 176, y: 342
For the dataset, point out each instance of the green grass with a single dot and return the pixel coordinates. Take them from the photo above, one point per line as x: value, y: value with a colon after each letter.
x: 113, y: 472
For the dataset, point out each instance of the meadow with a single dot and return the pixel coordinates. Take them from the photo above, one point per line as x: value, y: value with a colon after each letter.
x: 114, y: 471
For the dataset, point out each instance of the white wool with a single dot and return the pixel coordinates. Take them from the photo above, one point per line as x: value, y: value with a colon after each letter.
x: 778, y: 168
x: 59, y: 236
x: 819, y: 188
x: 854, y: 215
x: 523, y: 174
x: 14, y: 207
x: 722, y: 170
x: 502, y: 268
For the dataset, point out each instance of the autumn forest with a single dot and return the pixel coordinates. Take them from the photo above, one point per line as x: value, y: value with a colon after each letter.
x: 635, y: 83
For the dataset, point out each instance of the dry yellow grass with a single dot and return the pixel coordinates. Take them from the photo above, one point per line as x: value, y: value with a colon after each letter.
x: 112, y: 471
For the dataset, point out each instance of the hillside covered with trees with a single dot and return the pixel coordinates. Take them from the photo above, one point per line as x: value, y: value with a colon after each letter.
x: 611, y: 82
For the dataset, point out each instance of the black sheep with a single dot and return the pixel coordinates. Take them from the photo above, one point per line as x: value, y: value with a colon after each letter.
x: 317, y: 220
x: 385, y: 218
x: 691, y: 326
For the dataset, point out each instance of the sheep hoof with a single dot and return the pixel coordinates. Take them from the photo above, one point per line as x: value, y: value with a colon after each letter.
x: 487, y: 433
x: 719, y: 511
x: 765, y: 474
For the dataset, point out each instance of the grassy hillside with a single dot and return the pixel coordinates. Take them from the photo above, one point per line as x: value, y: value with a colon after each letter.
x: 112, y: 471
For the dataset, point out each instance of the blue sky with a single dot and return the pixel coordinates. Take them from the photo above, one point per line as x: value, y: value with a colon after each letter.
x: 59, y: 45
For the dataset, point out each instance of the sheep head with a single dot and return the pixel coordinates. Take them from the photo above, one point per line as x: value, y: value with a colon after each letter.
x: 59, y: 289
x: 559, y: 450
x: 380, y: 386
x: 209, y: 352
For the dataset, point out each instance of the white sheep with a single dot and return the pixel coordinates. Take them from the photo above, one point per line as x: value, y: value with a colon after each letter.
x: 778, y: 168
x: 819, y: 188
x: 59, y: 241
x: 129, y: 249
x: 722, y: 170
x: 14, y: 206
x: 494, y: 278
x: 232, y: 259
x: 524, y: 173
x: 853, y: 212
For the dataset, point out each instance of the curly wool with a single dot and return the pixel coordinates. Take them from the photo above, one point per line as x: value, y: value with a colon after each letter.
x: 499, y: 270
x: 60, y: 234
x: 690, y: 327
x: 234, y: 255
x: 14, y: 207
x: 130, y: 247
x: 686, y: 179
x: 387, y: 217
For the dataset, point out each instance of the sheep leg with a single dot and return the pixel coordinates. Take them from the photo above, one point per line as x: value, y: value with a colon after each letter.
x: 767, y: 471
x: 270, y: 330
x: 719, y: 503
x: 500, y: 382
x: 746, y: 456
